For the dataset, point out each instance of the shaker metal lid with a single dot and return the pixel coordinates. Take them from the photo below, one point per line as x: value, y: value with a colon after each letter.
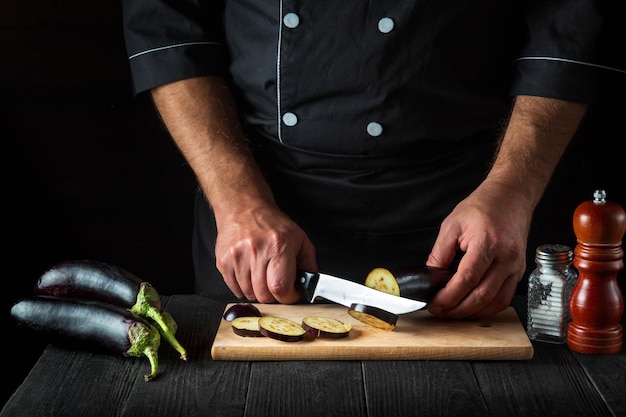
x: 554, y: 252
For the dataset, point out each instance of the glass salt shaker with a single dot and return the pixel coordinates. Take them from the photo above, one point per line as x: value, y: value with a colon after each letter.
x: 550, y: 287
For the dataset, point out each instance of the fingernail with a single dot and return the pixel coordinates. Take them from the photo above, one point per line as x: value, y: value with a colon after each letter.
x: 435, y: 311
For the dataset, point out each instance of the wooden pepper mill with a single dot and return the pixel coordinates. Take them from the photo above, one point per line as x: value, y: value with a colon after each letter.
x: 596, y: 303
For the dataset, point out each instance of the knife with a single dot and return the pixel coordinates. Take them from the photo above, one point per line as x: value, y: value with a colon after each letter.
x: 318, y: 285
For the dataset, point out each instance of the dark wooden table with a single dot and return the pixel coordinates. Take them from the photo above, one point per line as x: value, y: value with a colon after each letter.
x: 556, y: 382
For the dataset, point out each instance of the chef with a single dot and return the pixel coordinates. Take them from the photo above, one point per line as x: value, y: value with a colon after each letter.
x: 346, y: 135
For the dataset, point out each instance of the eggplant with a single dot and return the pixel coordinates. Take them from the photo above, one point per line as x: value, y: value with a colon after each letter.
x: 89, y: 324
x: 88, y: 279
x: 280, y: 328
x: 374, y: 316
x: 419, y: 283
x: 326, y: 327
x: 382, y: 279
x: 246, y: 326
x: 241, y: 310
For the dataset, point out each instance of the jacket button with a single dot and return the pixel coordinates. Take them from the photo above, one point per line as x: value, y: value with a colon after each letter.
x: 374, y: 129
x: 386, y: 24
x: 291, y: 20
x: 290, y: 119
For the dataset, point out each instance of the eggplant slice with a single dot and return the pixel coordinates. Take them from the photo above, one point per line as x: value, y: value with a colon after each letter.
x: 326, y: 327
x: 373, y: 316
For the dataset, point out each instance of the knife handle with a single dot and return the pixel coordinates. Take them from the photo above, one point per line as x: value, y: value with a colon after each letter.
x: 307, y: 281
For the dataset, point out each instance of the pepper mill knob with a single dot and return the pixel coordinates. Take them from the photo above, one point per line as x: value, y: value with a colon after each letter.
x: 596, y: 304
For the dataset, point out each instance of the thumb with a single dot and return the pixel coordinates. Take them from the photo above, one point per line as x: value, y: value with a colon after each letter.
x: 282, y: 272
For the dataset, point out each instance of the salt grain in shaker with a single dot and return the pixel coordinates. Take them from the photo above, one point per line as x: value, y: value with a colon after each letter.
x: 550, y: 287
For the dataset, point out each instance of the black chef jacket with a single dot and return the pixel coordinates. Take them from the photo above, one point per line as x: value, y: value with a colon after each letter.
x: 371, y: 120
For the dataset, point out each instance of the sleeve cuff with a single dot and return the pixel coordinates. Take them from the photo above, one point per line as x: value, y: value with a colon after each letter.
x: 167, y: 64
x: 557, y: 78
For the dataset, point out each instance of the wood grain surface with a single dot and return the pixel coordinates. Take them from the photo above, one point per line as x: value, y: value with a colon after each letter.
x: 418, y: 335
x: 555, y: 382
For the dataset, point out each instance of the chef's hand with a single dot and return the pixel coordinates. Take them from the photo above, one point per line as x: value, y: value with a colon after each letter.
x: 258, y: 251
x: 491, y: 227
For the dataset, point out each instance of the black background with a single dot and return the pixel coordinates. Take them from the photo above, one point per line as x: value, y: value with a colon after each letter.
x: 89, y: 173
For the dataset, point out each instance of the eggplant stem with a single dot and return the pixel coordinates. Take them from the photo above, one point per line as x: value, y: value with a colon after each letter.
x: 145, y: 341
x: 149, y: 305
x: 166, y: 331
x: 170, y: 335
x: 153, y: 357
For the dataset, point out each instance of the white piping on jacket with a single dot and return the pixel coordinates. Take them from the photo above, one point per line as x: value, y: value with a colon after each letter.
x: 280, y: 38
x: 570, y: 61
x: 178, y: 45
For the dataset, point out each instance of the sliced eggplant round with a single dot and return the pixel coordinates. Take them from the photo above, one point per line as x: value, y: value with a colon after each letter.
x: 373, y: 316
x: 241, y: 310
x: 326, y: 327
x: 280, y: 328
x: 246, y: 326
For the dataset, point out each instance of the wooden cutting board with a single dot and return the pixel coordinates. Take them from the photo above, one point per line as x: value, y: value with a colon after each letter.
x: 417, y: 335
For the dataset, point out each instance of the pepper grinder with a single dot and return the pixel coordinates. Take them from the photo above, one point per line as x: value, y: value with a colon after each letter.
x: 596, y: 304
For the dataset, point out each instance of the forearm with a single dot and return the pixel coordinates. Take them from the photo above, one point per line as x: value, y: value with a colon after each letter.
x: 538, y: 133
x: 258, y: 248
x: 201, y: 117
x: 490, y: 227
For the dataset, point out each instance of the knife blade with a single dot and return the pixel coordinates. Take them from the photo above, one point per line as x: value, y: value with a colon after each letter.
x: 318, y: 285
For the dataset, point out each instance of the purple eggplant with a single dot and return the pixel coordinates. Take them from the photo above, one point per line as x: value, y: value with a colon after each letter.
x: 89, y: 324
x: 87, y: 279
x: 419, y: 283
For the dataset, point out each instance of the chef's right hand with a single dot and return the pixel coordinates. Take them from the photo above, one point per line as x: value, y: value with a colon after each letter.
x: 258, y: 251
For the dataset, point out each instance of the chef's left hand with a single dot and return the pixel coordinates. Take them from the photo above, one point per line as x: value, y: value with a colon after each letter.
x: 491, y: 228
